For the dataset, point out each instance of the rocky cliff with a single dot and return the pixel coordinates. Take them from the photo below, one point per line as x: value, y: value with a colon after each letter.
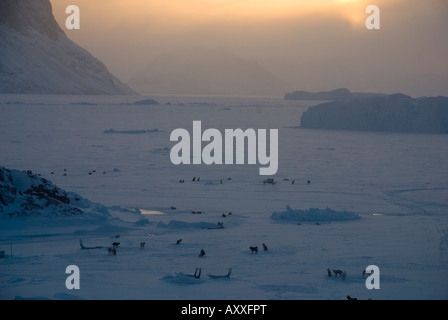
x: 36, y: 57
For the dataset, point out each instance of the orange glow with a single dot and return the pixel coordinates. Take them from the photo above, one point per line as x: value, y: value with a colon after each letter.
x: 175, y: 12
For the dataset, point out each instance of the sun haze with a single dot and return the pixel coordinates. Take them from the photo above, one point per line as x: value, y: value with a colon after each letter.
x: 311, y: 44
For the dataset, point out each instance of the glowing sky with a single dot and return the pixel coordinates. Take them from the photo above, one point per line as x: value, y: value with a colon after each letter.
x: 312, y: 44
x: 179, y: 12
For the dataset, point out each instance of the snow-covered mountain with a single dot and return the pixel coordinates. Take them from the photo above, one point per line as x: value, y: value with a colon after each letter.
x: 36, y: 57
x: 206, y: 71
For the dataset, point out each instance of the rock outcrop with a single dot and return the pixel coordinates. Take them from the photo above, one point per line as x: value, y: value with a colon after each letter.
x: 23, y: 193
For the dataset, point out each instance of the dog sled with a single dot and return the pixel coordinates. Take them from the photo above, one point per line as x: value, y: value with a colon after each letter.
x: 269, y: 181
x: 219, y: 225
x: 196, y: 275
x: 84, y: 247
x: 220, y: 277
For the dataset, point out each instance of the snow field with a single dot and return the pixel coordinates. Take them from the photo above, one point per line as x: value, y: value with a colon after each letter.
x: 394, y: 182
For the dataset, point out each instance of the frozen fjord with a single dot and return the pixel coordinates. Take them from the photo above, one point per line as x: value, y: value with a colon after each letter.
x: 401, y: 178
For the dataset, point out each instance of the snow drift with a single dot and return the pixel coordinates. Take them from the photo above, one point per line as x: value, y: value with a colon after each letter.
x: 36, y: 57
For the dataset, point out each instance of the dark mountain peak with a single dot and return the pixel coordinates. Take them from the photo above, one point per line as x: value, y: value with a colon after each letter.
x: 27, y: 15
x: 36, y: 57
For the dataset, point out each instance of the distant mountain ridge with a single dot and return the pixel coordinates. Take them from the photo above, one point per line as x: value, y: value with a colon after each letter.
x: 36, y: 57
x: 337, y: 94
x: 206, y: 71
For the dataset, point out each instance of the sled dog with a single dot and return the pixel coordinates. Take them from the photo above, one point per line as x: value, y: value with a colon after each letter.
x: 337, y: 272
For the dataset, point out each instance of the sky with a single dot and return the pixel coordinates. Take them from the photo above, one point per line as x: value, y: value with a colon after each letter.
x: 312, y: 45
